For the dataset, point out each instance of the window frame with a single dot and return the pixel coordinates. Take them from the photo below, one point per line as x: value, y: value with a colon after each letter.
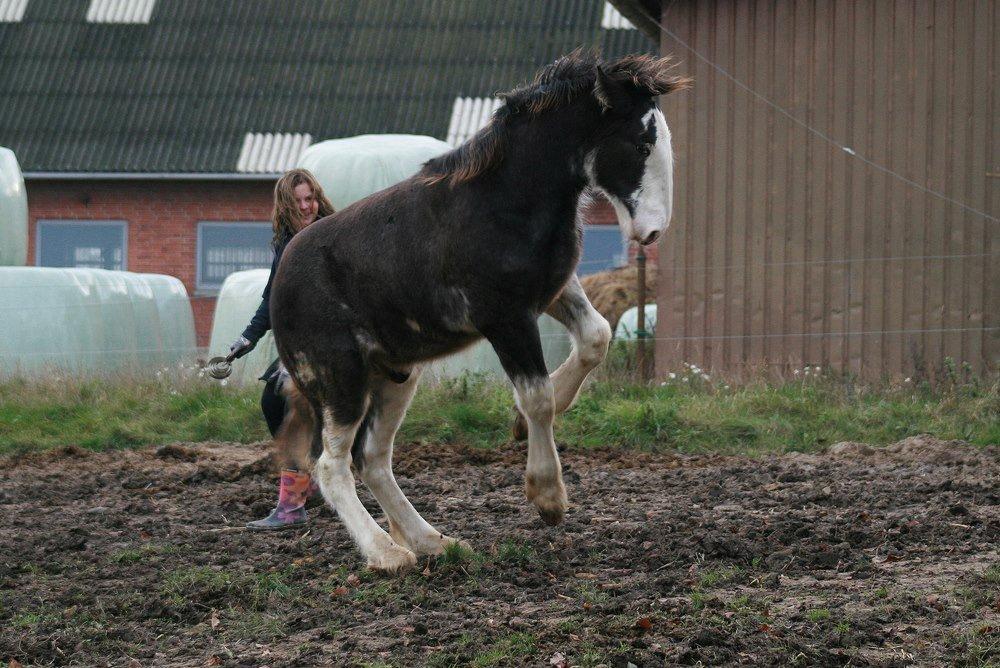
x: 80, y: 222
x: 620, y: 260
x: 201, y: 289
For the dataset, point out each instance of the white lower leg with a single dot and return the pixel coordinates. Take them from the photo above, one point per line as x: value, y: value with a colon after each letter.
x: 406, y: 526
x: 543, y: 479
x: 333, y: 471
x: 591, y: 337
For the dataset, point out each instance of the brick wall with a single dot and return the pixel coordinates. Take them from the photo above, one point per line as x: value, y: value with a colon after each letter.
x: 162, y: 219
x: 600, y: 212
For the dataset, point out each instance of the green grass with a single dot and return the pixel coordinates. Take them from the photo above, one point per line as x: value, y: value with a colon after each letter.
x: 101, y: 414
x: 687, y: 413
x: 505, y: 650
x: 818, y: 615
x: 754, y: 417
x: 516, y: 553
x: 209, y: 587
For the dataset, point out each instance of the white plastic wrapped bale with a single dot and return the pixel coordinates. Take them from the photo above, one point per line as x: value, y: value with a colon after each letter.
x: 13, y: 212
x: 240, y: 296
x: 628, y: 324
x: 92, y: 320
x: 238, y: 300
x: 355, y: 167
x: 177, y: 333
x: 480, y: 357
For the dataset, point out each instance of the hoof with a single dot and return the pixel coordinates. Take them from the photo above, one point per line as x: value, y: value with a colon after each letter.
x: 431, y: 545
x: 553, y: 516
x: 394, y: 559
x: 520, y: 427
x: 550, y: 500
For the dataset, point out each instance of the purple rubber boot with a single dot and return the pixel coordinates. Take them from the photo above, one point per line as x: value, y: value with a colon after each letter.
x: 290, y: 512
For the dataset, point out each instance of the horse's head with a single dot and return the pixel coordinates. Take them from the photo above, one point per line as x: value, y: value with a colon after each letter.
x: 632, y: 161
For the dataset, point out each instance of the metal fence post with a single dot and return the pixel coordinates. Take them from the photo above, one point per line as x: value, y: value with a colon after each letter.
x: 641, y: 334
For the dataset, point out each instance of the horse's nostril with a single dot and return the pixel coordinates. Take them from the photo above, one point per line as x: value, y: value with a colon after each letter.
x: 651, y: 237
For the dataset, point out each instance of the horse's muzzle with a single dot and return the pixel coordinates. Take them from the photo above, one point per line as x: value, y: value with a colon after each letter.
x: 650, y: 238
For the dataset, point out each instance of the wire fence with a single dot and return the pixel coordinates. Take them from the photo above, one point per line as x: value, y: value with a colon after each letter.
x: 757, y: 95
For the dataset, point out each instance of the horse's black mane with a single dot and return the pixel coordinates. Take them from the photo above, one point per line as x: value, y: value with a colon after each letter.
x: 555, y: 85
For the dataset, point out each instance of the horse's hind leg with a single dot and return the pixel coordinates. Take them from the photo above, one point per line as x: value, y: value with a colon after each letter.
x: 343, y: 405
x: 389, y: 403
x: 337, y: 484
x: 519, y: 348
x: 591, y: 335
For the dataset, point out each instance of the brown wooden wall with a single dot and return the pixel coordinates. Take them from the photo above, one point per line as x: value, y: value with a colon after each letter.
x: 786, y: 250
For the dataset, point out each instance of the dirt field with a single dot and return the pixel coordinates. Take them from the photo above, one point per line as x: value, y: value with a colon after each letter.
x: 856, y: 557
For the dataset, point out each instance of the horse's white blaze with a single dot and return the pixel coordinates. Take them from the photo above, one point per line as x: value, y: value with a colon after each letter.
x: 655, y: 196
x: 653, y: 199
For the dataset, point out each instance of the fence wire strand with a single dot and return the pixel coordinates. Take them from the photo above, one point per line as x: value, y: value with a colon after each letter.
x: 809, y: 128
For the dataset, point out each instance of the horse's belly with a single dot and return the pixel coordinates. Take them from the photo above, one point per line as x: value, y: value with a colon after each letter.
x: 418, y: 348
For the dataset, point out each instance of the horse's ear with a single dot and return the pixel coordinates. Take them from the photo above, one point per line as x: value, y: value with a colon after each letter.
x: 609, y: 93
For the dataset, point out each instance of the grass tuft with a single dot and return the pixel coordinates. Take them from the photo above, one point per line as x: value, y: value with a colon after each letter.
x: 686, y: 413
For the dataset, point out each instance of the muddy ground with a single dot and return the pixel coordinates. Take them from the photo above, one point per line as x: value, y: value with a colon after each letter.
x: 857, y: 557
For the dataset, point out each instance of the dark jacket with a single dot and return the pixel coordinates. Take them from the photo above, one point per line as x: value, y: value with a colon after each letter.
x: 261, y: 320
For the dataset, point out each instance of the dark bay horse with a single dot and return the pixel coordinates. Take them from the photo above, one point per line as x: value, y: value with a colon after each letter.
x: 478, y: 244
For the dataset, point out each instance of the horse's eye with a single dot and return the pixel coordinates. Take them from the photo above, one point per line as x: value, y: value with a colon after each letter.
x: 643, y: 149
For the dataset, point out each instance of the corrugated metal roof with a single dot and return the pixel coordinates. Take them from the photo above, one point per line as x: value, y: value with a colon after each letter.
x: 12, y: 11
x: 612, y: 19
x: 181, y: 93
x: 468, y: 115
x: 269, y: 153
x: 120, y: 11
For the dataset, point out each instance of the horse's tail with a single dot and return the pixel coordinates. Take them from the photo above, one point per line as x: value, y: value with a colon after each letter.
x: 295, y: 442
x: 358, y: 447
x: 302, y: 425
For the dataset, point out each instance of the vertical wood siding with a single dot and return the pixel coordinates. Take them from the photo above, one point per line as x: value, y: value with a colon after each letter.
x: 785, y: 249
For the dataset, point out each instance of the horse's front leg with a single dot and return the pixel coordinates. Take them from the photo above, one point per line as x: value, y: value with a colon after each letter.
x: 519, y: 348
x: 591, y: 336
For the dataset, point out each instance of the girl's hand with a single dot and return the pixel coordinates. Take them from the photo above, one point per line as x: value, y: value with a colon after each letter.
x: 240, y: 347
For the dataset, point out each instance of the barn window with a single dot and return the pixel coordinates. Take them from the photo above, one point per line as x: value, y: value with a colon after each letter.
x: 603, y: 249
x: 227, y: 247
x: 93, y: 244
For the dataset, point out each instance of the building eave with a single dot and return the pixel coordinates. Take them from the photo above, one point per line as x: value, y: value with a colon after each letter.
x: 639, y: 13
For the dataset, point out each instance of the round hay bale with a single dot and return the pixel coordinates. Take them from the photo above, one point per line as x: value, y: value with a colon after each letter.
x: 616, y: 291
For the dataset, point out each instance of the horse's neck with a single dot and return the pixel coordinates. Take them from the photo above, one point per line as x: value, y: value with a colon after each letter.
x: 545, y: 164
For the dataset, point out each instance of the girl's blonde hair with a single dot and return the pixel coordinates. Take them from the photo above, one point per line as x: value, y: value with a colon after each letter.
x: 286, y: 212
